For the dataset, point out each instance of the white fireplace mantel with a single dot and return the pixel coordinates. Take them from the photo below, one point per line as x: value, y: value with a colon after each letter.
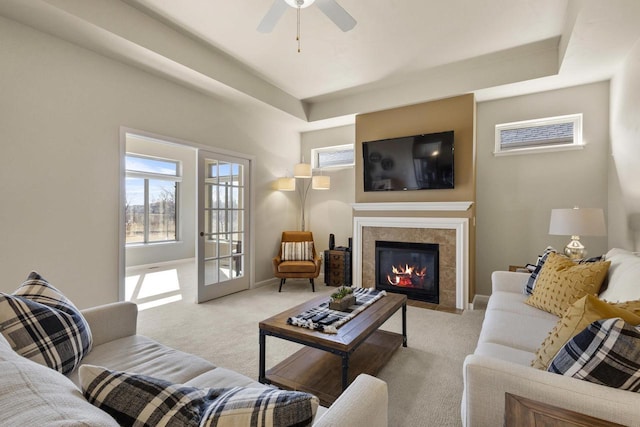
x: 460, y: 225
x: 413, y: 206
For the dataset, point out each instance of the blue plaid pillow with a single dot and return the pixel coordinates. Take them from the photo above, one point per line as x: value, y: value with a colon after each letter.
x: 41, y: 324
x: 531, y: 282
x: 133, y: 399
x: 607, y: 352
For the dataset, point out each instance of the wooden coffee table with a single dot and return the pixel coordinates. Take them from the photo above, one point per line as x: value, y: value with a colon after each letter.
x: 330, y: 362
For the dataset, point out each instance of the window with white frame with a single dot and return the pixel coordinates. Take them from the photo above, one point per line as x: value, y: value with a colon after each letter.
x: 151, y: 208
x: 548, y: 134
x: 337, y: 156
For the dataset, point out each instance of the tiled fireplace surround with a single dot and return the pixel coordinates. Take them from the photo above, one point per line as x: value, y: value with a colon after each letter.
x: 390, y: 222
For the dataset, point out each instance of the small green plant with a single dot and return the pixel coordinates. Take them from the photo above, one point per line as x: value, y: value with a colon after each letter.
x: 341, y: 293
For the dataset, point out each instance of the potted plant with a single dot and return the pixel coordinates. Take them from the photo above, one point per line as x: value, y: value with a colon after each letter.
x: 342, y: 299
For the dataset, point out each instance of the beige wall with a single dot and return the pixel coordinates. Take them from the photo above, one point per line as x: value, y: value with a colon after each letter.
x: 624, y: 171
x: 61, y: 111
x: 457, y: 114
x: 330, y: 211
x: 516, y: 193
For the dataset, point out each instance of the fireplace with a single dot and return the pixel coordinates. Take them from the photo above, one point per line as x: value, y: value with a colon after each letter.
x: 408, y: 268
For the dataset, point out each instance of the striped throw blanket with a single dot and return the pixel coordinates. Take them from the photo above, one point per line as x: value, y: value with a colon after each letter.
x: 321, y: 318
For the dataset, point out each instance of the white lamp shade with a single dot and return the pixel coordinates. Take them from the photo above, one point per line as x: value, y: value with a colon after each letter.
x: 321, y: 182
x: 286, y: 184
x: 577, y: 222
x: 302, y: 170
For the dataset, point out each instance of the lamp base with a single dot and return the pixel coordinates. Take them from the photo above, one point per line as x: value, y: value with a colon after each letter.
x: 575, y: 250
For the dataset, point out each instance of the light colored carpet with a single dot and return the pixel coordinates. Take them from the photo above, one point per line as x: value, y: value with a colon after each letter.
x: 425, y: 379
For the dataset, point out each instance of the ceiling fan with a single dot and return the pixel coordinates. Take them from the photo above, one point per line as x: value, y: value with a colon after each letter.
x: 333, y: 10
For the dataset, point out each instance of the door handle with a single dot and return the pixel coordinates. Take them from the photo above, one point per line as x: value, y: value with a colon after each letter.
x: 202, y: 234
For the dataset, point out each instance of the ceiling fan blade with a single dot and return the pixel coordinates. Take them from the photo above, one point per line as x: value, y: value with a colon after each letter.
x: 268, y: 23
x: 337, y: 14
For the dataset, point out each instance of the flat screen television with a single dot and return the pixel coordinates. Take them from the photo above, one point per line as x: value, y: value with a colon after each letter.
x: 418, y: 162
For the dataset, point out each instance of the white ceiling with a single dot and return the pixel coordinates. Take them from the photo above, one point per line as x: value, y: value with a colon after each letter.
x: 401, y: 51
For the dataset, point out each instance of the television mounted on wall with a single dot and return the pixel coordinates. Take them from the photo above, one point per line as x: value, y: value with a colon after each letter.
x: 417, y: 162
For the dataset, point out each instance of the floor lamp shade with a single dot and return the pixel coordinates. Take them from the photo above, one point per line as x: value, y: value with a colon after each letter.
x: 321, y: 182
x: 302, y: 170
x: 286, y: 184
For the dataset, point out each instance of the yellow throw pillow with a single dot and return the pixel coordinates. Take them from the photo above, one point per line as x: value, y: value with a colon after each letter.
x: 578, y: 316
x: 562, y: 282
x: 632, y: 306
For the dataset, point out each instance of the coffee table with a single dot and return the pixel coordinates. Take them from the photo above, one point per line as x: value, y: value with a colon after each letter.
x: 330, y: 362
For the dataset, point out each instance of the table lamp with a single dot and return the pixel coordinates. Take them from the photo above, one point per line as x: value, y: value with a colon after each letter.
x: 577, y: 222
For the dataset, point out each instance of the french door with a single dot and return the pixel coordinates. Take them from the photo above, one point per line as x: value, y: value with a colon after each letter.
x: 223, y: 225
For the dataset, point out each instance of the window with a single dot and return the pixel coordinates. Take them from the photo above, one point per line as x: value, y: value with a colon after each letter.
x: 549, y: 134
x: 337, y: 156
x: 152, y: 188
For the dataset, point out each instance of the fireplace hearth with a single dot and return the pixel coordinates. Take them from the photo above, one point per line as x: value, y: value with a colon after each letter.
x: 408, y: 268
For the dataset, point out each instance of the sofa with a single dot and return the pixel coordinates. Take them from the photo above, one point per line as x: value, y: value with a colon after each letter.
x: 33, y: 394
x: 511, y: 336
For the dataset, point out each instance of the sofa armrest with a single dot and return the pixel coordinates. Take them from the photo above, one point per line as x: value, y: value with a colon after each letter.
x: 487, y: 379
x: 112, y: 321
x: 509, y: 281
x: 363, y: 404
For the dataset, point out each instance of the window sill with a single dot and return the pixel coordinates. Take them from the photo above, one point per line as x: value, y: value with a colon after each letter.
x: 536, y: 150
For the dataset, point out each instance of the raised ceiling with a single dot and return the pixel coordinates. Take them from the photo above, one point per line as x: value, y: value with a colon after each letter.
x: 400, y: 52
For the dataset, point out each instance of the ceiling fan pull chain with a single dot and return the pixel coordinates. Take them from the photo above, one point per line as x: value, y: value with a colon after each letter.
x: 298, y: 30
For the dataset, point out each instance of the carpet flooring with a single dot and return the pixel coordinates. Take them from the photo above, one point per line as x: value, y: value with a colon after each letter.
x: 424, y: 379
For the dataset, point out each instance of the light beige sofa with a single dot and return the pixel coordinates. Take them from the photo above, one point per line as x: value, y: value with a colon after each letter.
x: 511, y: 333
x: 31, y: 394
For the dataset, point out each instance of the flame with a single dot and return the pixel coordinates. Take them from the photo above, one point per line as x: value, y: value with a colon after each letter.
x: 404, y: 276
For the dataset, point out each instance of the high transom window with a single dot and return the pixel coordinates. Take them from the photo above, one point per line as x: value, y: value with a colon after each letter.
x: 548, y: 134
x: 152, y: 189
x: 337, y: 156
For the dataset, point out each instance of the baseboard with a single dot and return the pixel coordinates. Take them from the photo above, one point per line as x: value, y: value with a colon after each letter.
x: 479, y: 302
x: 160, y: 265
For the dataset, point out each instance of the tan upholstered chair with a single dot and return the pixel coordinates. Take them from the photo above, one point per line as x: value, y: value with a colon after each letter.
x: 296, y: 268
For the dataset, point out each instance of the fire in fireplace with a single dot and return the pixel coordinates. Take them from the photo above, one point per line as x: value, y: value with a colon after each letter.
x: 408, y: 268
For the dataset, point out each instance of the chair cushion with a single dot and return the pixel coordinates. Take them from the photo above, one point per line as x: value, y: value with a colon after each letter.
x: 41, y: 324
x: 297, y: 251
x: 134, y: 399
x: 297, y: 267
x: 562, y: 282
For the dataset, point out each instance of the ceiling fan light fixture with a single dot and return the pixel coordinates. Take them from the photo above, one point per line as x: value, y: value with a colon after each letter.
x: 299, y: 3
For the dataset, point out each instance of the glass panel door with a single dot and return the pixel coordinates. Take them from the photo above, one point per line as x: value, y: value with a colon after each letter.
x: 223, y: 257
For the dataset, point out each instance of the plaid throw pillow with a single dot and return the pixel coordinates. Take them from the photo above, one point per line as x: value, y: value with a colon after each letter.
x: 133, y: 399
x: 297, y: 251
x: 607, y: 352
x: 41, y: 324
x: 531, y: 282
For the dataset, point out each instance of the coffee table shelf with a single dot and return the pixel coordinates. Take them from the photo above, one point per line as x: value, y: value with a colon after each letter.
x: 318, y: 372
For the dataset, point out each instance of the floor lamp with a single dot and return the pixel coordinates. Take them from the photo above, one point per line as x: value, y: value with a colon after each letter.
x: 304, y: 173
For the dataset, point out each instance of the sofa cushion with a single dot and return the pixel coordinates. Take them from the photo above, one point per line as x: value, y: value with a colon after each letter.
x: 583, y: 312
x: 138, y: 399
x: 515, y: 330
x: 562, y: 282
x: 145, y: 356
x: 607, y: 352
x: 622, y: 282
x: 41, y: 324
x: 35, y: 395
x: 297, y: 251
